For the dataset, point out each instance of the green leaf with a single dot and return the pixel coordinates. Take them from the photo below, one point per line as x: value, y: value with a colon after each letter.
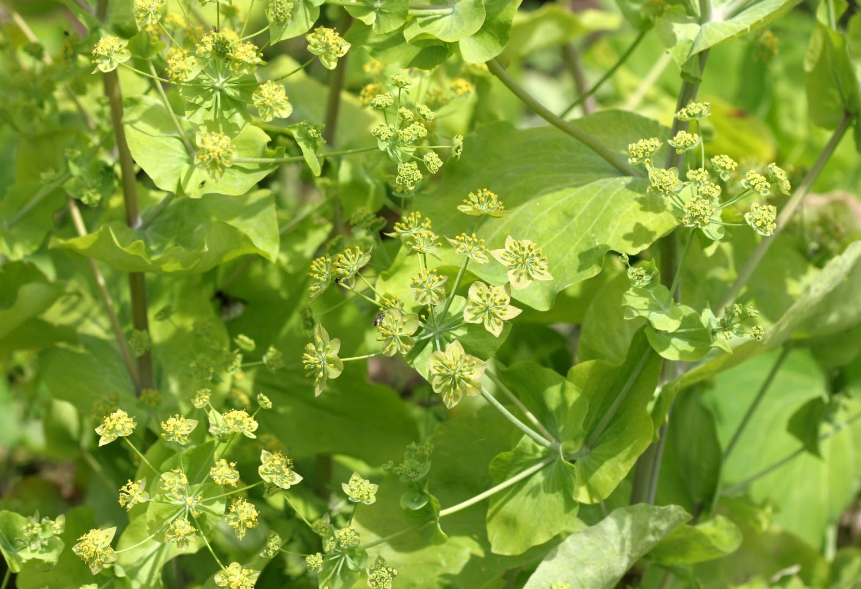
x: 70, y: 571
x: 629, y: 430
x: 680, y: 31
x: 158, y: 148
x: 655, y: 303
x: 452, y: 22
x: 10, y: 529
x: 26, y: 293
x: 598, y: 557
x: 553, y: 25
x: 224, y: 228
x: 708, y: 540
x: 493, y: 35
x: 832, y: 87
x: 341, y: 570
x: 304, y: 14
x: 606, y: 335
x: 384, y: 17
x: 805, y: 423
x: 566, y: 199
x: 691, y: 341
x: 390, y: 47
x: 28, y: 232
x: 535, y: 509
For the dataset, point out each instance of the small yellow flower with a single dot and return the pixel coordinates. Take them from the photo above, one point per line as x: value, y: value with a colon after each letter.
x: 695, y: 111
x: 328, y: 45
x: 428, y: 287
x: 94, y: 548
x: 424, y: 242
x: 369, y: 92
x: 684, y: 141
x: 109, y: 53
x: 177, y: 429
x: 780, y: 178
x: 224, y: 473
x: 133, y: 493
x: 395, y: 329
x: 700, y: 212
x: 525, y: 262
x: 360, y: 490
x: 270, y: 98
x: 757, y: 183
x: 279, y: 11
x: 201, y: 398
x: 117, y: 424
x: 381, y: 575
x: 410, y: 225
x: 762, y: 218
x: 489, y: 305
x: 664, y: 182
x: 235, y: 576
x: 148, y: 12
x: 214, y: 153
x: 432, y: 161
x: 181, y: 532
x: 314, y: 562
x: 348, y: 537
x: 408, y: 175
x: 180, y: 65
x: 470, y: 246
x: 349, y: 262
x: 321, y: 273
x: 483, y: 202
x: 725, y: 166
x: 174, y: 484
x: 238, y: 421
x: 242, y: 517
x: 454, y: 373
x: 321, y: 358
x: 461, y: 87
x: 277, y: 469
x: 273, y: 545
x: 642, y: 151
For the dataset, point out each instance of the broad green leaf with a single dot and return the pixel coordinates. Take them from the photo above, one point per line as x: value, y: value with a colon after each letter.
x: 606, y: 334
x: 10, y: 530
x: 25, y: 294
x: 224, y: 228
x: 491, y: 39
x: 384, y: 17
x: 611, y: 455
x: 535, y: 509
x: 451, y: 22
x: 553, y: 25
x: 684, y: 34
x: 654, y: 303
x: 598, y: 557
x: 563, y: 197
x: 691, y: 341
x: 158, y: 148
x: 832, y: 87
x: 390, y: 47
x: 690, y: 544
x: 303, y: 16
x: 70, y: 571
x: 26, y: 234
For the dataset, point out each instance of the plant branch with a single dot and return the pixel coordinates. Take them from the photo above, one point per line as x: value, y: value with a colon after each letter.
x: 571, y: 56
x: 599, y: 148
x: 172, y: 114
x: 519, y: 404
x: 786, y: 214
x: 538, y: 438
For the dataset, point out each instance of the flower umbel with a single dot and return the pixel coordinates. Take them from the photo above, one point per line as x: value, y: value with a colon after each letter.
x: 270, y: 98
x: 181, y: 532
x: 664, y: 182
x: 424, y: 242
x: 381, y: 575
x: 236, y: 576
x: 470, y: 246
x: 762, y: 218
x: 321, y: 358
x: 410, y: 225
x: 395, y: 329
x: 684, y: 141
x: 224, y: 473
x: 201, y: 398
x: 525, y: 262
x: 109, y: 53
x: 116, y: 425
x: 328, y: 45
x: 321, y: 273
x: 177, y: 428
x: 779, y: 177
x: 349, y: 262
x: 94, y: 548
x: 642, y: 151
x: 489, y: 305
x: 428, y: 287
x: 757, y: 183
x: 242, y: 517
x: 239, y: 422
x: 148, y: 12
x: 214, y: 153
x: 482, y: 202
x: 277, y: 469
x: 454, y: 373
x: 695, y: 111
x: 314, y: 562
x: 133, y: 493
x: 360, y: 490
x: 725, y: 166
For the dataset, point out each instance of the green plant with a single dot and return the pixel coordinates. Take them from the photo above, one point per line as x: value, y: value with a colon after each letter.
x: 253, y: 252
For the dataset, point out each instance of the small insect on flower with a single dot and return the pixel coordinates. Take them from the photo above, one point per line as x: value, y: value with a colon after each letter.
x: 116, y: 425
x: 694, y: 111
x: 94, y: 548
x: 321, y: 358
x: 454, y: 373
x: 236, y: 576
x: 242, y: 517
x: 214, y: 153
x: 381, y: 575
x: 684, y: 141
x: 314, y: 562
x: 328, y: 45
x: 177, y: 429
x: 224, y: 473
x: 133, y: 493
x: 470, y: 246
x: 483, y: 202
x: 525, y: 262
x: 428, y: 287
x: 276, y: 469
x: 762, y: 218
x: 757, y: 183
x: 109, y: 53
x: 725, y: 166
x: 360, y: 490
x: 181, y: 532
x: 642, y: 151
x: 489, y: 305
x: 395, y: 329
x: 270, y: 98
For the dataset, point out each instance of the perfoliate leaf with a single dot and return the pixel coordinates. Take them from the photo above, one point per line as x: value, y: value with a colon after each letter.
x: 832, y: 87
x: 450, y: 23
x: 705, y: 541
x: 689, y: 342
x: 655, y: 303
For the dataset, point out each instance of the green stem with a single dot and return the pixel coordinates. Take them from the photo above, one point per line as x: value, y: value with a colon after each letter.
x: 252, y: 35
x: 298, y: 69
x: 299, y: 513
x: 371, y: 286
x: 144, y: 74
x: 142, y: 542
x: 599, y: 148
x: 172, y: 114
x: 457, y: 280
x: 519, y: 404
x: 7, y: 576
x: 624, y: 57
x: 366, y: 356
x: 756, y: 401
x: 678, y: 273
x: 247, y: 20
x: 538, y: 438
x: 786, y: 214
x: 736, y: 198
x: 169, y: 36
x: 299, y: 158
x: 211, y: 551
x: 391, y: 537
x: 357, y: 293
x: 235, y: 491
x: 138, y: 452
x: 500, y: 487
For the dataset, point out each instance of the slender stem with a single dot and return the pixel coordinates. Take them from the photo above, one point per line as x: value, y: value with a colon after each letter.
x: 336, y: 86
x: 756, y: 401
x: 138, y: 452
x: 211, y: 551
x: 746, y: 482
x: 125, y: 351
x: 571, y: 55
x: 500, y: 487
x: 786, y: 214
x: 538, y: 438
x: 391, y: 537
x: 142, y: 542
x: 355, y: 292
x: 366, y: 356
x: 169, y: 36
x: 299, y: 158
x: 622, y: 59
x: 252, y: 35
x: 247, y: 20
x: 457, y: 280
x: 42, y: 193
x: 637, y: 97
x: 678, y: 272
x: 371, y: 286
x: 172, y: 114
x: 298, y: 69
x: 144, y: 74
x: 235, y: 491
x: 519, y: 404
x: 299, y: 513
x: 617, y: 402
x: 7, y: 576
x: 561, y: 124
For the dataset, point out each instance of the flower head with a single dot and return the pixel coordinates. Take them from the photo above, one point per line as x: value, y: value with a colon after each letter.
x: 432, y: 162
x: 360, y: 490
x: 328, y: 45
x: 425, y: 112
x: 395, y: 329
x: 381, y: 575
x: 489, y: 305
x: 273, y: 359
x: 270, y: 98
x: 277, y: 469
x: 762, y: 218
x: 321, y: 273
x: 408, y: 175
x: 174, y: 483
x: 381, y: 101
x: 224, y: 473
x: 264, y: 401
x: 201, y: 398
x: 454, y: 373
x: 239, y: 422
x: 109, y: 53
x: 757, y: 183
x: 700, y: 212
x: 424, y: 242
x: 482, y: 202
x: 410, y: 225
x: 244, y: 57
x: 214, y: 152
x: 347, y: 537
x: 279, y: 11
x: 236, y: 576
x: 401, y: 81
x: 664, y: 182
x: 180, y: 65
x: 461, y: 87
x: 725, y: 166
x: 148, y: 12
x: 116, y: 425
x: 314, y: 562
x: 428, y: 287
x: 242, y: 517
x: 698, y: 175
x: 371, y: 91
x: 642, y: 151
x: 272, y: 546
x: 177, y: 428
x: 383, y: 132
x: 470, y: 246
x: 181, y: 532
x: 694, y: 111
x: 349, y: 262
x: 94, y: 548
x: 321, y: 358
x: 779, y: 177
x: 684, y: 141
x: 133, y: 493
x: 525, y: 262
